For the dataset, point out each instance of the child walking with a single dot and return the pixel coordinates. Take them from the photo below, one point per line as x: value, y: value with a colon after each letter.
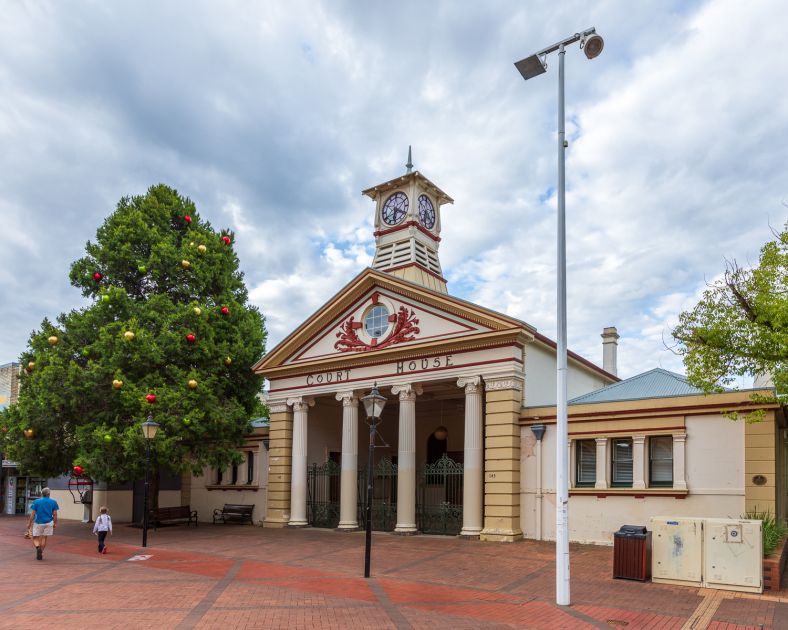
x: 103, y: 527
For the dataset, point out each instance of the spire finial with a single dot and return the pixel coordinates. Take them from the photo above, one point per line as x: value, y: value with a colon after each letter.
x: 409, y: 165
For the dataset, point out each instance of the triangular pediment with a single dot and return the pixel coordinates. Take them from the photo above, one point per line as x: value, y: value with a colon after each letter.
x: 380, y: 314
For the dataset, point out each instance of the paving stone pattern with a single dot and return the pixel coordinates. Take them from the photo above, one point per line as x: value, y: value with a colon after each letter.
x: 236, y: 576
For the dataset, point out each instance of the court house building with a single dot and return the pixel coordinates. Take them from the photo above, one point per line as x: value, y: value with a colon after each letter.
x: 466, y: 444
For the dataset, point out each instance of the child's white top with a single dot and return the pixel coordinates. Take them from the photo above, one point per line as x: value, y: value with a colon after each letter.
x: 103, y: 524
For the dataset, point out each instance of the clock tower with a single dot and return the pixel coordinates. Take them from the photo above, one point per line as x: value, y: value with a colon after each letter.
x: 407, y: 228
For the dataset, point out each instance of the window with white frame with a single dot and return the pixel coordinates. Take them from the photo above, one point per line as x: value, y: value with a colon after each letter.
x: 660, y: 461
x: 621, y: 467
x: 585, y: 463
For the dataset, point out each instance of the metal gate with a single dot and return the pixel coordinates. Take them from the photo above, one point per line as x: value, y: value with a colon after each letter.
x: 384, y: 496
x: 439, y: 500
x: 323, y: 481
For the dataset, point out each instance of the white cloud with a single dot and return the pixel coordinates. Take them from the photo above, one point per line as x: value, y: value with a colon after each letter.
x: 274, y: 117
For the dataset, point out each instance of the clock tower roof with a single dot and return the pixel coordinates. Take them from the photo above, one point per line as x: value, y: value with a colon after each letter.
x: 407, y: 227
x: 402, y: 181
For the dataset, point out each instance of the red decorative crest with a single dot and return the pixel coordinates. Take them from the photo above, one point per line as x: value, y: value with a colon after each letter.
x: 405, y: 329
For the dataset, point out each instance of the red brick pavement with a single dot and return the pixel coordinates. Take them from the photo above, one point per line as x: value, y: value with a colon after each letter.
x: 246, y: 577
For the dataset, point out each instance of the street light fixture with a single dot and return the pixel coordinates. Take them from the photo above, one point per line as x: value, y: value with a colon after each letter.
x: 373, y: 405
x: 530, y: 67
x: 149, y: 429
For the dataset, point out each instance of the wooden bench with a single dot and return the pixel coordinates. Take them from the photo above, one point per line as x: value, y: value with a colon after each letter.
x: 174, y: 514
x: 233, y: 512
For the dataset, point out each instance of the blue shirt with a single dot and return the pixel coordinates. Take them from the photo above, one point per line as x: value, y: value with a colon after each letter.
x: 44, y: 508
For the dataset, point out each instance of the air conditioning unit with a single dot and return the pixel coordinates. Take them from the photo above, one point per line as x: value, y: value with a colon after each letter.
x: 677, y: 550
x: 733, y: 552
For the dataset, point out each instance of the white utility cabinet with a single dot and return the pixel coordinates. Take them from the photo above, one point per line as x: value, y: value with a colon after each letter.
x: 733, y: 554
x: 677, y: 550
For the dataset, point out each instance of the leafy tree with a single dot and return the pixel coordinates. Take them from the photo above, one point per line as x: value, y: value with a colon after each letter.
x: 740, y: 326
x: 169, y: 317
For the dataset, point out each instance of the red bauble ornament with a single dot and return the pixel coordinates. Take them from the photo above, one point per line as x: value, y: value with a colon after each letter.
x: 225, y: 310
x: 97, y: 277
x: 187, y: 218
x: 151, y: 398
x: 191, y: 338
x: 226, y: 240
x: 78, y: 470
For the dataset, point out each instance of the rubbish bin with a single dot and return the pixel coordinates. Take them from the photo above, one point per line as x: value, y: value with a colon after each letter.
x: 632, y: 553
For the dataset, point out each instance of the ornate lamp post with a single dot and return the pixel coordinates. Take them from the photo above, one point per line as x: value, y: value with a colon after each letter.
x: 530, y: 67
x: 373, y: 405
x: 149, y: 428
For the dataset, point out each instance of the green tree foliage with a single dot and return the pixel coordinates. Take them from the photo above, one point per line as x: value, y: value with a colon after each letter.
x: 740, y: 326
x: 164, y: 274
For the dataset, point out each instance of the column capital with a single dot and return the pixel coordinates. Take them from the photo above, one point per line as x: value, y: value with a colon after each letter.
x: 494, y: 383
x: 277, y: 406
x: 679, y: 437
x: 302, y: 403
x: 638, y: 439
x: 349, y: 399
x: 407, y: 391
x: 600, y: 441
x: 472, y: 384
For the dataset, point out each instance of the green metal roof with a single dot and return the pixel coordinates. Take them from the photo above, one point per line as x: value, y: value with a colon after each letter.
x: 656, y: 383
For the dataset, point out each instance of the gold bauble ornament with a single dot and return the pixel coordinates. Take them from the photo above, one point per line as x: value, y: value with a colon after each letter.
x: 31, y: 365
x: 28, y: 433
x: 53, y: 340
x: 197, y: 311
x: 202, y: 249
x: 129, y: 335
x: 227, y: 360
x: 192, y: 384
x: 117, y: 383
x: 185, y: 264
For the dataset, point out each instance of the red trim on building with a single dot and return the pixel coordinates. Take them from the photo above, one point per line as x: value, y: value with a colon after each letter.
x: 406, y: 225
x: 627, y: 430
x: 366, y: 378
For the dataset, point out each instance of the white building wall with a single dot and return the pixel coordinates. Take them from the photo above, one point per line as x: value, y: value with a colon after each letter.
x: 714, y: 472
x: 540, y: 377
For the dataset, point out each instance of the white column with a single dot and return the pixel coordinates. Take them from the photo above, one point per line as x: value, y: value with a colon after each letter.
x: 298, y: 472
x: 473, y: 482
x: 679, y: 480
x: 601, y: 463
x: 406, y: 458
x: 348, y: 497
x: 638, y: 462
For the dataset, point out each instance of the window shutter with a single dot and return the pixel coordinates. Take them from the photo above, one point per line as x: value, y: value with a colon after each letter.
x: 661, y: 460
x: 586, y: 462
x: 622, y: 462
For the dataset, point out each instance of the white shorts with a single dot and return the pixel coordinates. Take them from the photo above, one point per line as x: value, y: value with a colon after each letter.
x: 43, y: 529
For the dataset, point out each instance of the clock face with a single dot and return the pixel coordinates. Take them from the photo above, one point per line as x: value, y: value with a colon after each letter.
x: 426, y: 212
x: 395, y: 208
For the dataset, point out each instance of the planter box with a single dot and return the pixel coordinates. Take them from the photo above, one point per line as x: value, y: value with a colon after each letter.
x: 774, y: 567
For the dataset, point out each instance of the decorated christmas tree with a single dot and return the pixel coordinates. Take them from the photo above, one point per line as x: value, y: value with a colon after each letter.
x: 169, y: 332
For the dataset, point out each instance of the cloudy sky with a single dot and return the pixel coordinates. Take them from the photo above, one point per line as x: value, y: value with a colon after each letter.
x: 273, y: 116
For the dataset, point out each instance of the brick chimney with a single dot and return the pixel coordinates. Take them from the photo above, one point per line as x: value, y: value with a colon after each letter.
x: 610, y: 350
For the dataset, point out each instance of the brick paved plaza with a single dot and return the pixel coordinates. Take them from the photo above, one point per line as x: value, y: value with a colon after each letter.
x: 238, y: 576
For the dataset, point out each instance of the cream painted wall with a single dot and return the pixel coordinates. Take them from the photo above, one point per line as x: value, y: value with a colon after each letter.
x: 540, y: 377
x: 205, y: 501
x: 714, y: 471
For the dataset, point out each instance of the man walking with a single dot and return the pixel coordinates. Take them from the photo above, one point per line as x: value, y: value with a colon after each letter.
x: 43, y: 518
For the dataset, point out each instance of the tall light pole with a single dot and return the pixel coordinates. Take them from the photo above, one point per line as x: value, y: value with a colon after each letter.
x: 373, y: 405
x: 532, y: 66
x: 149, y: 428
